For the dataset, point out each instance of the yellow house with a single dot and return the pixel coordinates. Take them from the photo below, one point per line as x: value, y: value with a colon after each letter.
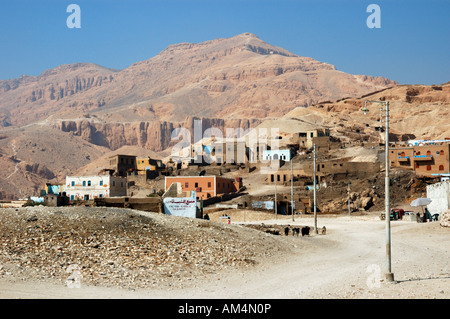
x: 147, y: 164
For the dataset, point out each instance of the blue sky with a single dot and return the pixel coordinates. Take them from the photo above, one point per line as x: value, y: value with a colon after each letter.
x: 412, y: 46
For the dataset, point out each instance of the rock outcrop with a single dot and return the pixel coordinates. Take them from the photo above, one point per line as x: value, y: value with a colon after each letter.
x: 153, y: 135
x: 362, y: 201
x: 445, y: 219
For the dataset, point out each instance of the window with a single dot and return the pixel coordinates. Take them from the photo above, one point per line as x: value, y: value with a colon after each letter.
x: 73, y: 183
x: 428, y: 153
x: 441, y: 152
x: 441, y: 167
x: 101, y: 195
x: 196, y: 185
x: 84, y: 183
x: 89, y: 183
x: 121, y: 184
x: 428, y: 167
x: 209, y: 183
x: 418, y: 153
x: 101, y: 183
x: 186, y: 185
x: 72, y: 197
x: 114, y: 183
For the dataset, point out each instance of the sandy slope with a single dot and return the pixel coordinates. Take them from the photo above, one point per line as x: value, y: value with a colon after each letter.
x: 347, y: 262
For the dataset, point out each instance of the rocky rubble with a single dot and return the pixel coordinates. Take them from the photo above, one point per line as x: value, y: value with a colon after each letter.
x: 123, y: 248
x: 360, y: 201
x: 445, y: 219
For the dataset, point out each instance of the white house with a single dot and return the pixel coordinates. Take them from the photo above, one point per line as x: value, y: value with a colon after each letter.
x: 439, y: 194
x: 90, y: 187
x: 284, y: 155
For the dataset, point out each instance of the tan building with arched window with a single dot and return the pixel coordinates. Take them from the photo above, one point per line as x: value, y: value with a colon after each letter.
x: 425, y: 160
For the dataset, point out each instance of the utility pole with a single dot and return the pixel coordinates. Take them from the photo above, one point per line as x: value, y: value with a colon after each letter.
x: 292, y: 191
x: 315, y: 193
x: 389, y: 274
x: 276, y: 208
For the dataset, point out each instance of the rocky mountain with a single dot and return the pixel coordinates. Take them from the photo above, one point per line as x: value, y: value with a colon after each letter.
x: 77, y: 113
x: 415, y: 112
x: 238, y: 77
x: 31, y: 99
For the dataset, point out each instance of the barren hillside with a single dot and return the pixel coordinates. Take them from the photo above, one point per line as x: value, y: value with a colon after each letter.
x: 32, y: 156
x: 415, y: 111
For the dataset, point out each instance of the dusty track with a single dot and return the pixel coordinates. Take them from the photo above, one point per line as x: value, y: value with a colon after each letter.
x: 332, y: 266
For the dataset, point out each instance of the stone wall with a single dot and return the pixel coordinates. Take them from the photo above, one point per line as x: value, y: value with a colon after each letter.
x: 439, y: 194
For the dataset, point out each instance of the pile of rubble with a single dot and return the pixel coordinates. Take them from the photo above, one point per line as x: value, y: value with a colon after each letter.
x: 445, y: 219
x: 368, y: 194
x: 358, y: 201
x: 122, y: 247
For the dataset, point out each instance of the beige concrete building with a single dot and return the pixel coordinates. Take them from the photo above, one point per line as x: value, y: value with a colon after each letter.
x: 205, y: 186
x: 96, y: 186
x: 425, y: 160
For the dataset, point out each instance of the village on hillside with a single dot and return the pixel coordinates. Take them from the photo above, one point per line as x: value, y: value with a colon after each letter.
x: 273, y: 174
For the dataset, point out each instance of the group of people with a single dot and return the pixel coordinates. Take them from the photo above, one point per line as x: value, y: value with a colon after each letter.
x: 426, y: 216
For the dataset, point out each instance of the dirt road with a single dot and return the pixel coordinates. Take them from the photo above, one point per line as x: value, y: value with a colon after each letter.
x: 347, y: 262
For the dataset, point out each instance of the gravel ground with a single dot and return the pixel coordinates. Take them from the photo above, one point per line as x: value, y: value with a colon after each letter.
x: 131, y: 254
x: 113, y: 247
